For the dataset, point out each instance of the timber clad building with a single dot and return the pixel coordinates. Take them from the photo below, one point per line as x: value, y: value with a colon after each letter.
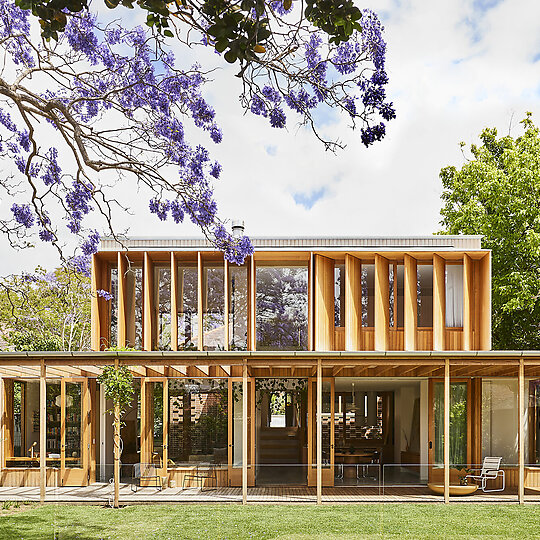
x: 318, y: 362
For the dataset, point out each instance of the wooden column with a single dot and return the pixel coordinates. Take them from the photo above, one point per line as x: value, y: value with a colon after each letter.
x: 148, y: 289
x: 311, y: 303
x: 226, y: 302
x: 468, y: 303
x: 324, y: 303
x: 252, y: 287
x: 116, y: 450
x: 382, y: 305
x: 42, y: 431
x: 485, y: 302
x: 2, y: 422
x: 244, y: 434
x: 410, y: 304
x: 447, y: 430
x: 353, y: 303
x: 174, y: 303
x: 97, y: 312
x: 439, y: 304
x: 521, y: 433
x: 200, y: 336
x: 319, y: 431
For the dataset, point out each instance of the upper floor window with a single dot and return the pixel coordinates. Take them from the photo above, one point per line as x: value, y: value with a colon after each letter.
x: 186, y: 306
x: 238, y: 307
x: 282, y: 307
x: 454, y: 295
x: 424, y: 291
x: 368, y: 295
x: 339, y: 295
x: 162, y: 307
x: 213, y: 307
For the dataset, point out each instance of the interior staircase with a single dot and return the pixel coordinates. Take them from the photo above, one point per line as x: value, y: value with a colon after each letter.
x: 279, y: 446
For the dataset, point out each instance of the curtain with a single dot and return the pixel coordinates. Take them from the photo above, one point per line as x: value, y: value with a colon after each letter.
x: 454, y: 295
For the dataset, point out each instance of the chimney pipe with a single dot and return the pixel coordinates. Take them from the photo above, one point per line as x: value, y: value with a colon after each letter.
x: 238, y: 228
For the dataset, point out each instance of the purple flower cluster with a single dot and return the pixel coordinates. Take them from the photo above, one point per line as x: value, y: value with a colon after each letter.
x: 104, y: 294
x: 268, y: 106
x: 346, y: 58
x: 235, y: 249
x: 279, y: 8
x: 372, y: 133
x: 52, y: 171
x: 78, y: 201
x: 316, y: 65
x: 23, y: 214
x: 81, y: 264
x: 14, y: 22
x: 90, y: 245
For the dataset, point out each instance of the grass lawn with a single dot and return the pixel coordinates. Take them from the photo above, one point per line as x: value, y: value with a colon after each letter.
x: 295, y: 522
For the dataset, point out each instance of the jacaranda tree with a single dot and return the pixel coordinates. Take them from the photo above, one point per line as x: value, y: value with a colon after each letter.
x: 88, y: 108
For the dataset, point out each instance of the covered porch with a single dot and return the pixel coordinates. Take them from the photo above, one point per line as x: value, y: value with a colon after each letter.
x: 350, y: 415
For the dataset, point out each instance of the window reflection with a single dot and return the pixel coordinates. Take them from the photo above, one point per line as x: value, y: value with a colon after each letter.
x: 238, y: 307
x: 187, y: 311
x: 213, y: 308
x: 282, y: 308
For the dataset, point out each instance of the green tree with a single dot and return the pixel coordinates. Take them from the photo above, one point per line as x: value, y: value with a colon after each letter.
x: 45, y: 311
x: 497, y: 194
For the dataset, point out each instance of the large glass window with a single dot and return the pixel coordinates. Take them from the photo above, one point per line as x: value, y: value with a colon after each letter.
x: 500, y: 419
x: 368, y: 295
x: 454, y: 295
x: 238, y: 307
x: 282, y: 308
x: 198, y: 427
x: 424, y: 290
x: 213, y: 307
x: 162, y: 301
x: 458, y: 423
x: 187, y: 311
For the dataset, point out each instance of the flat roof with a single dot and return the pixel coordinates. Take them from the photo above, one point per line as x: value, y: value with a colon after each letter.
x: 289, y: 243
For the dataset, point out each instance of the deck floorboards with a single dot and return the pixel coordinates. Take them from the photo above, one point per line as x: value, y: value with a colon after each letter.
x: 101, y: 493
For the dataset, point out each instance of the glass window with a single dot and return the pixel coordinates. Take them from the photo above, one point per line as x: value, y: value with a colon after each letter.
x: 238, y: 307
x: 500, y: 419
x: 157, y: 423
x: 18, y: 419
x: 282, y: 308
x: 368, y: 295
x: 339, y: 295
x: 162, y: 301
x: 458, y: 423
x: 187, y: 311
x: 54, y: 419
x: 396, y: 278
x: 213, y: 308
x: 424, y: 290
x: 73, y: 425
x: 114, y: 308
x: 134, y: 306
x: 454, y: 295
x: 198, y: 426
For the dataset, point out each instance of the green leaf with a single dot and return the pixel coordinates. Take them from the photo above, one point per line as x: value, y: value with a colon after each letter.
x: 230, y: 56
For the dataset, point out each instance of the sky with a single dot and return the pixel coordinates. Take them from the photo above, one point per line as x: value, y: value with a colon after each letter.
x: 455, y: 67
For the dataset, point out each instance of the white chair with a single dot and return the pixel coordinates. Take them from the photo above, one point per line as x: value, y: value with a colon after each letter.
x: 490, y: 471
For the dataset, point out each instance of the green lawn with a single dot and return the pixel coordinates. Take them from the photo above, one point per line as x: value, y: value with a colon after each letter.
x: 293, y: 522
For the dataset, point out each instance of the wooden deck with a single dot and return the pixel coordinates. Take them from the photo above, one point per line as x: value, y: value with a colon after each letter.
x: 101, y: 494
